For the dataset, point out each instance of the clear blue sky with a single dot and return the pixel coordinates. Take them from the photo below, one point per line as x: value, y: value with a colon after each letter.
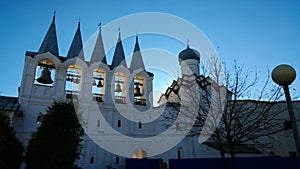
x: 258, y: 34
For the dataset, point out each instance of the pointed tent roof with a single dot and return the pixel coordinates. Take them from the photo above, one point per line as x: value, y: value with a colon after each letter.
x: 119, y: 56
x: 99, y: 52
x: 76, y: 45
x: 137, y: 60
x: 49, y: 43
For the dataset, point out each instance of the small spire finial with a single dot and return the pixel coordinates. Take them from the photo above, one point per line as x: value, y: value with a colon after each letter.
x: 119, y: 37
x: 136, y: 37
x: 99, y: 25
x: 54, y: 13
x: 188, y: 43
x: 79, y: 21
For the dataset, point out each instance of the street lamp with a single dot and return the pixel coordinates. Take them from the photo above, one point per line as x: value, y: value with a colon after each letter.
x: 284, y: 75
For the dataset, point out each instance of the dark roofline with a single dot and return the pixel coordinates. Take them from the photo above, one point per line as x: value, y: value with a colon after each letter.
x: 33, y: 54
x: 6, y: 100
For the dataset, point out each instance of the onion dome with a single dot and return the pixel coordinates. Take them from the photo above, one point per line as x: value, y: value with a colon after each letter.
x: 189, y: 53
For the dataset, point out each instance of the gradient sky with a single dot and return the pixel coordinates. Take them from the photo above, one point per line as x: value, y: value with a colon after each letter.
x: 257, y: 34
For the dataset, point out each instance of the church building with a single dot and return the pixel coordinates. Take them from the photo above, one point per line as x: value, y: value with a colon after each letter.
x: 115, y: 89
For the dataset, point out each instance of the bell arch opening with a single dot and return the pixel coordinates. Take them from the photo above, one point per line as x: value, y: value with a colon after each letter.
x: 120, y: 87
x: 73, y: 81
x: 139, y: 90
x: 45, y: 73
x: 98, y: 84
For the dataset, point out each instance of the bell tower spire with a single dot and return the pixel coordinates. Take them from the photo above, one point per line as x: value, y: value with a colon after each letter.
x: 137, y: 60
x: 99, y: 52
x: 49, y: 43
x: 76, y: 45
x: 119, y: 56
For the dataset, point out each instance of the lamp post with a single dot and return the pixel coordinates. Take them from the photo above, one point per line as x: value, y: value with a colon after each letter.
x: 284, y: 75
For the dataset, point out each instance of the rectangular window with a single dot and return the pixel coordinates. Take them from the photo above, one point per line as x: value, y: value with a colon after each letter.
x: 292, y: 154
x: 287, y: 125
x: 98, y: 123
x: 92, y: 159
x: 179, y: 152
x: 117, y: 160
x: 119, y: 123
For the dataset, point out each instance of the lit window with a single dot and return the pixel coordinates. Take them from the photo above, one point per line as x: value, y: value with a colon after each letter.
x: 139, y: 154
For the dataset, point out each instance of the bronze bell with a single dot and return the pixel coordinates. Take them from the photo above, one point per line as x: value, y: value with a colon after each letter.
x: 94, y: 83
x: 137, y: 91
x: 45, y: 77
x: 68, y: 78
x: 99, y: 84
x: 118, y: 88
x: 77, y: 80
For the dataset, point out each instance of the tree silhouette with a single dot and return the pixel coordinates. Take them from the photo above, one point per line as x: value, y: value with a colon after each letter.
x: 56, y: 143
x: 11, y: 149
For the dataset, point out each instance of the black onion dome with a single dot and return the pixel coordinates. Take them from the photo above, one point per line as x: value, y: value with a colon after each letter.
x: 189, y: 53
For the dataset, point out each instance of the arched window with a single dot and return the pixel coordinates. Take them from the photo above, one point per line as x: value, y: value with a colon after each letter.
x: 179, y: 152
x: 119, y: 123
x: 120, y: 90
x: 73, y: 81
x: 98, y: 84
x: 139, y: 90
x: 45, y: 73
x: 140, y: 124
x: 92, y: 159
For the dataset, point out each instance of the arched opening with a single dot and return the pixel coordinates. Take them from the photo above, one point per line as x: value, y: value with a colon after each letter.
x: 119, y: 123
x: 117, y: 160
x: 139, y: 154
x: 139, y: 90
x: 45, y: 73
x: 98, y: 85
x: 120, y: 90
x: 73, y: 82
x: 179, y: 152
